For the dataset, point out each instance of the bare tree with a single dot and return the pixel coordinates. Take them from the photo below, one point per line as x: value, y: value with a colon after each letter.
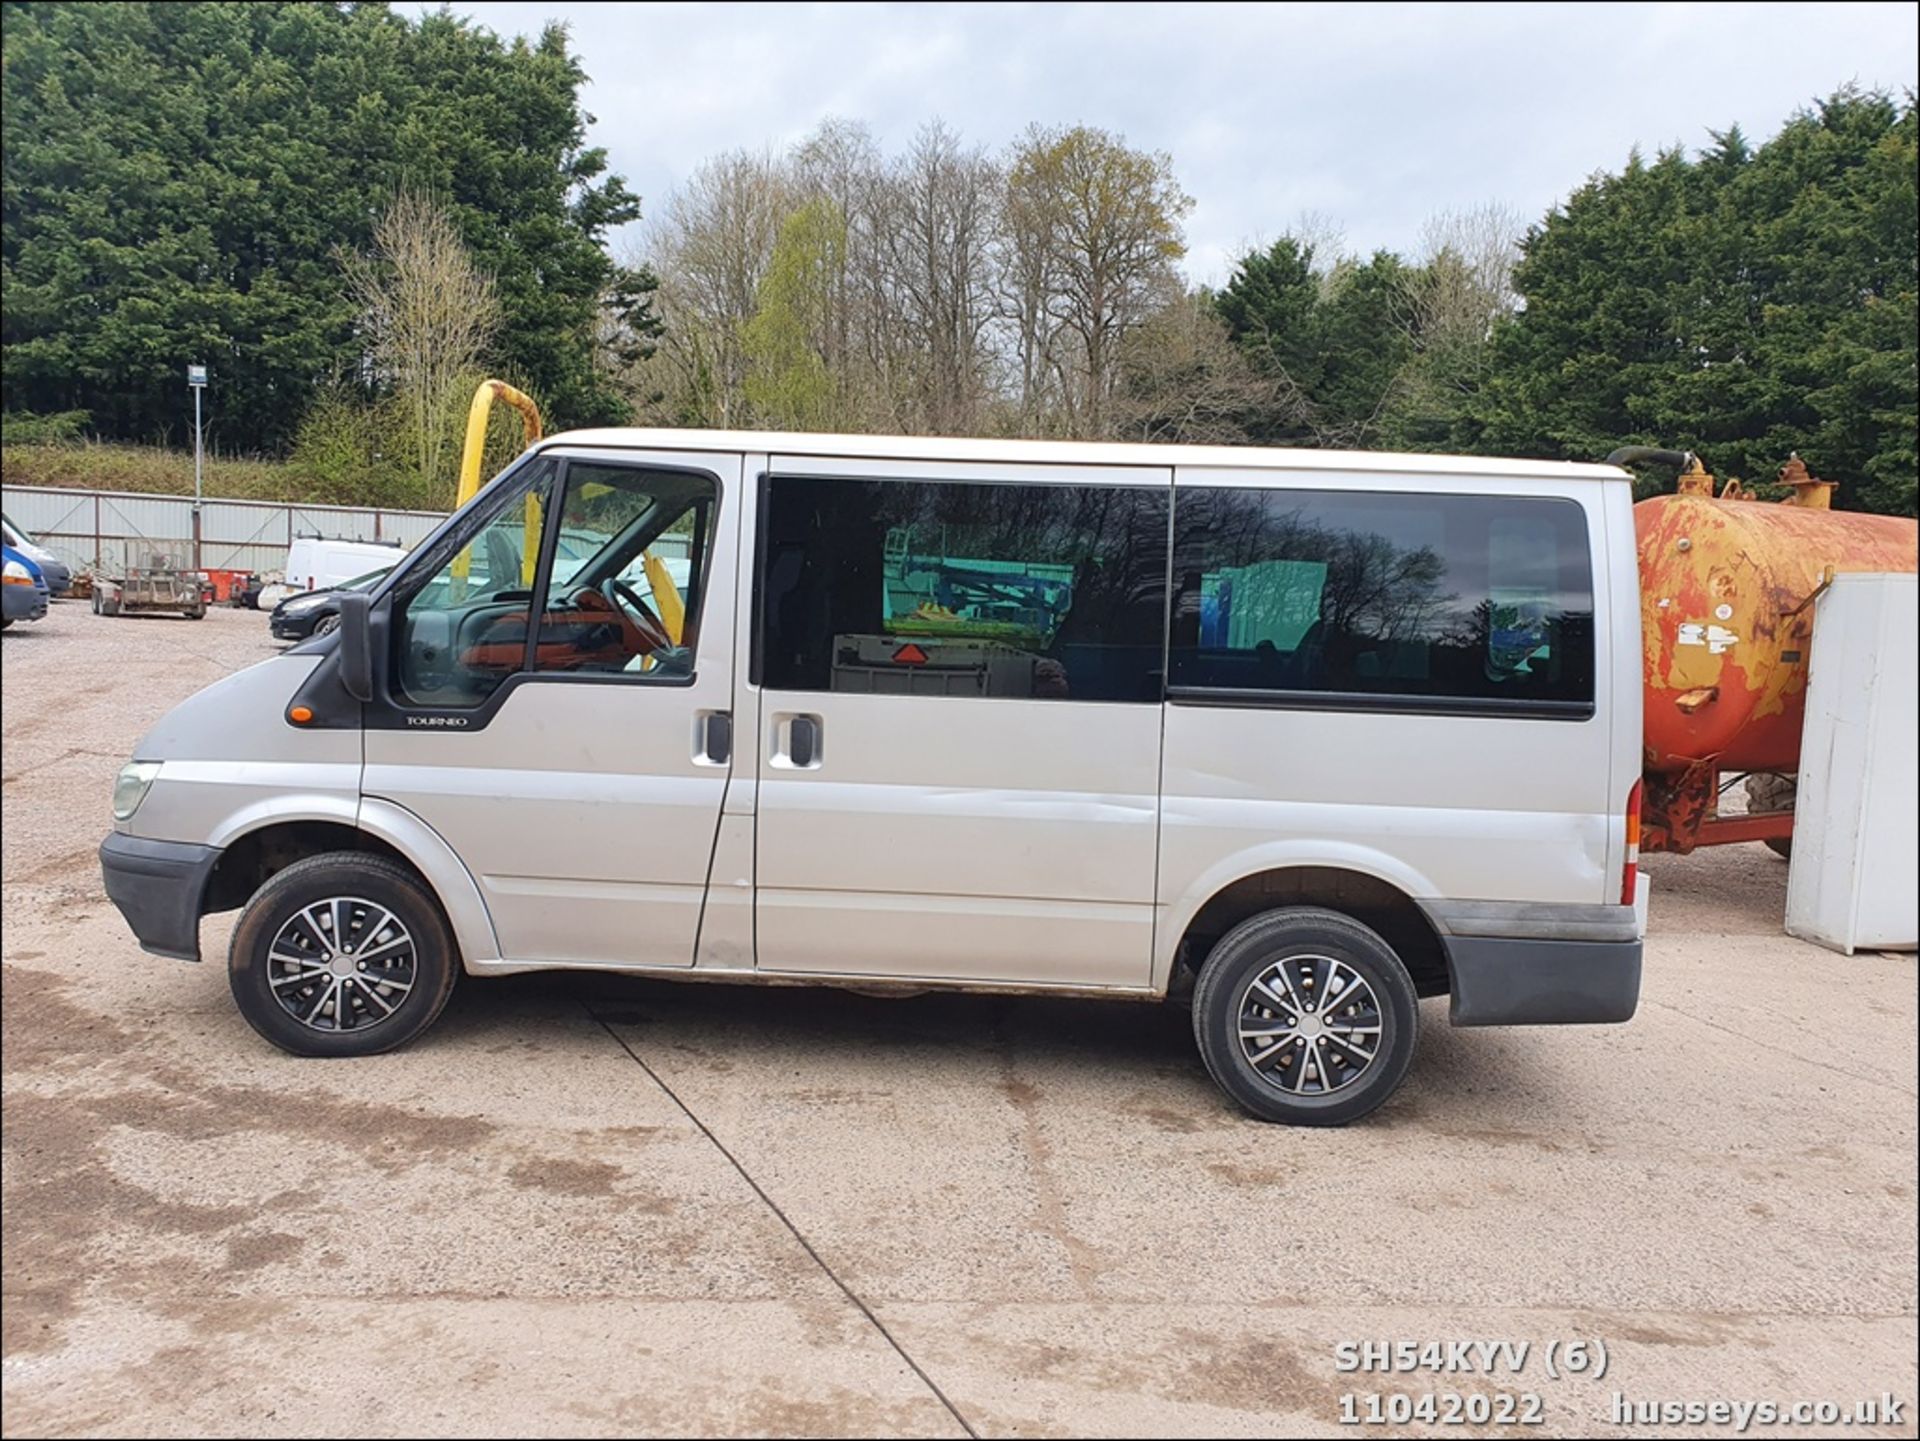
x: 1110, y: 218
x: 429, y: 312
x: 840, y: 163
x: 1450, y: 305
x: 1183, y: 379
x: 1469, y: 256
x: 711, y: 251
x: 938, y: 242
x: 1026, y: 265
x: 1324, y: 239
x: 960, y: 296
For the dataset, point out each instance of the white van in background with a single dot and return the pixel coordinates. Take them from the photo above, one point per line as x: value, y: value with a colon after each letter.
x: 316, y: 563
x: 1317, y: 733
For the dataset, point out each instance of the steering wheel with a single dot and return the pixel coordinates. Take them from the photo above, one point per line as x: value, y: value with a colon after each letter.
x: 634, y: 640
x: 639, y: 618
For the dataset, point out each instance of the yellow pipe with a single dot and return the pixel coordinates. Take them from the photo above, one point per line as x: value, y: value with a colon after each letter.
x: 471, y: 456
x: 477, y: 414
x: 666, y: 596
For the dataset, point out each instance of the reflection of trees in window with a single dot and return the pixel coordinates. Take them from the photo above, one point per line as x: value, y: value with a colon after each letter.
x: 1380, y: 591
x: 1448, y: 595
x: 1373, y: 588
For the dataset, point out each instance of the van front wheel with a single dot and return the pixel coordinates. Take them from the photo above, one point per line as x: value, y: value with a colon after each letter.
x: 1305, y: 1016
x: 344, y: 954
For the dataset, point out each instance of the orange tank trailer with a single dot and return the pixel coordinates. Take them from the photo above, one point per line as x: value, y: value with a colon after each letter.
x: 1726, y: 590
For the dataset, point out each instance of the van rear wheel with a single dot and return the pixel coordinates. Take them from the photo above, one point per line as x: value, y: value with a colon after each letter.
x: 1305, y: 1016
x: 344, y: 954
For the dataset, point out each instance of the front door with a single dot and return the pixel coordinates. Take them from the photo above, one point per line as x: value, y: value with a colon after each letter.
x: 959, y: 730
x: 556, y: 699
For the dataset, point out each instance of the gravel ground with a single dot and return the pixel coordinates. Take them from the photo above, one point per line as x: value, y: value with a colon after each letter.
x: 593, y: 1205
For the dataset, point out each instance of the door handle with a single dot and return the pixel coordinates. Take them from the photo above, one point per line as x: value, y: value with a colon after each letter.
x: 796, y: 741
x: 803, y: 742
x: 713, y: 737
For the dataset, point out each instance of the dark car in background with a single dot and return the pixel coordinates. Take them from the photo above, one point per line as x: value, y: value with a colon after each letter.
x: 315, y: 612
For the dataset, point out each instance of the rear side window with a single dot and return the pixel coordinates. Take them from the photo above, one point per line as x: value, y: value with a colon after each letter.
x: 1407, y: 597
x: 1030, y: 592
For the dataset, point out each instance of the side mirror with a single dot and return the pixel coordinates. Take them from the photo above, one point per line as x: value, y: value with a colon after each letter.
x: 356, y: 646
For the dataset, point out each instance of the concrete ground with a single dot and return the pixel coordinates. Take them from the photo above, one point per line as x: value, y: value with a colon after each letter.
x: 589, y: 1205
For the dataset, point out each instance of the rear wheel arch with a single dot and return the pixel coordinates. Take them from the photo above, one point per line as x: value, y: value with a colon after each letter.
x: 1374, y: 902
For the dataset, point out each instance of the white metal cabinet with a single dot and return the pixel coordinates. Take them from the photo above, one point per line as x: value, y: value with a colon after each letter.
x: 1856, y: 834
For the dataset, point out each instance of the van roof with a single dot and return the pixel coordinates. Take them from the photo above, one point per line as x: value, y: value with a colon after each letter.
x: 1080, y: 452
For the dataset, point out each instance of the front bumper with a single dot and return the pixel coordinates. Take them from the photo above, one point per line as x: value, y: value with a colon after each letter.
x: 23, y: 602
x: 158, y: 886
x: 1525, y: 964
x: 291, y: 627
x: 58, y: 578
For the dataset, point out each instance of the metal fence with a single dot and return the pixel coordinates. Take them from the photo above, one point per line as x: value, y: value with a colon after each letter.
x: 92, y: 528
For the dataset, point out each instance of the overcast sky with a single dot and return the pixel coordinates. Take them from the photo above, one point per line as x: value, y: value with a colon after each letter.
x: 1372, y: 115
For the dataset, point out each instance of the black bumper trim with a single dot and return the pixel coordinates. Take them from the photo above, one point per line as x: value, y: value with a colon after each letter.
x: 1506, y: 981
x: 158, y: 886
x: 1532, y: 920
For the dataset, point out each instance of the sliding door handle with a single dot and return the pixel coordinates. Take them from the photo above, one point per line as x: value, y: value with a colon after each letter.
x: 795, y: 743
x: 803, y: 742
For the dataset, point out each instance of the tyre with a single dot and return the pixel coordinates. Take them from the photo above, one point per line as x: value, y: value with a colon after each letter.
x: 1305, y: 1016
x: 327, y: 624
x: 1767, y: 792
x: 344, y: 954
x: 96, y: 602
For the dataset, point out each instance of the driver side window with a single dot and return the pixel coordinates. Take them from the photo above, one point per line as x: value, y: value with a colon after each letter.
x: 462, y: 630
x: 628, y: 555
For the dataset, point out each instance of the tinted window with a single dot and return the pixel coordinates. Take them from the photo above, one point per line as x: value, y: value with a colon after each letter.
x: 1054, y: 592
x: 1407, y: 595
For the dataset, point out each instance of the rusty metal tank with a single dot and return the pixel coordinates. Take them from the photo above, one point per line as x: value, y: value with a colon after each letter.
x: 1726, y: 585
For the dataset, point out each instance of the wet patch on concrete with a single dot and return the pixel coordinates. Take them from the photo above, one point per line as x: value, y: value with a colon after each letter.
x: 567, y: 1178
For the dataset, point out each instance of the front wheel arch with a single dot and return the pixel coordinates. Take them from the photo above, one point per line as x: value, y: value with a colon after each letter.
x: 255, y: 847
x: 250, y: 861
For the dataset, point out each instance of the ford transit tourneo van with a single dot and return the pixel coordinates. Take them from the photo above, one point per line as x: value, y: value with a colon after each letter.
x: 1313, y: 734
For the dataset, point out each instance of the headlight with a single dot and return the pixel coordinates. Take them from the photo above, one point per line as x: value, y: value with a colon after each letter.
x: 303, y: 605
x: 17, y: 574
x: 136, y: 779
